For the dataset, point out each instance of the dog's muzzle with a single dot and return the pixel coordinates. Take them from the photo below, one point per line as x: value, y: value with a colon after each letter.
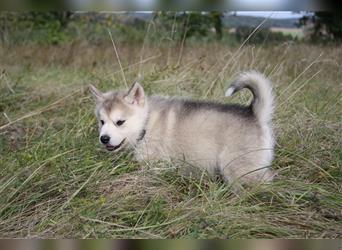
x: 112, y: 148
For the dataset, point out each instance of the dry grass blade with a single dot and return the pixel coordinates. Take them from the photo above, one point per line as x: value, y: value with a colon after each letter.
x: 118, y: 58
x: 3, y: 76
x: 82, y: 186
x: 233, y: 56
x: 180, y: 56
x: 143, y: 46
x: 299, y: 89
x: 41, y: 110
x: 124, y: 228
x: 302, y: 73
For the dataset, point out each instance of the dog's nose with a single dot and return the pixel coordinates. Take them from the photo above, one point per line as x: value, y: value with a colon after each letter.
x: 104, y: 139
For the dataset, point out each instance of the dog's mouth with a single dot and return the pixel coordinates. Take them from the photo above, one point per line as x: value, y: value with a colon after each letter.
x: 112, y: 148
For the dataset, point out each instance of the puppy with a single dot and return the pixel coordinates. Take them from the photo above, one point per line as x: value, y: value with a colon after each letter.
x: 236, y: 141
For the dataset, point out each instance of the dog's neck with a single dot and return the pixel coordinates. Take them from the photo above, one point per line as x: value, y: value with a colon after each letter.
x: 143, y: 131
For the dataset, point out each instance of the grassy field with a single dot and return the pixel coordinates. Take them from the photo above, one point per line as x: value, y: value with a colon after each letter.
x: 295, y: 32
x: 57, y: 182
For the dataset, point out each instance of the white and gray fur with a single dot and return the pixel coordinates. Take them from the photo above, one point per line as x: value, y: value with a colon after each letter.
x: 236, y: 141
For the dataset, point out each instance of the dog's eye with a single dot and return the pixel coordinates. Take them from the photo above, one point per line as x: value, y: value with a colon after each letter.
x: 102, y: 122
x: 120, y: 122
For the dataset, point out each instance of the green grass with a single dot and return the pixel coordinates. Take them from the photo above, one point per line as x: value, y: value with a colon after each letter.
x: 57, y: 182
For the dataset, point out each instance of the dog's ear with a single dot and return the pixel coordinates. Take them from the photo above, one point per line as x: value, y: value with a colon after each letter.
x: 97, y: 94
x: 136, y: 95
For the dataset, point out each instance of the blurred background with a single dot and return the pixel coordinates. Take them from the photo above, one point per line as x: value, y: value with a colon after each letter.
x: 229, y: 27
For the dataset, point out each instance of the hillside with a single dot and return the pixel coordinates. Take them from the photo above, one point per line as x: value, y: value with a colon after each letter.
x: 139, y: 20
x: 250, y: 21
x: 231, y: 21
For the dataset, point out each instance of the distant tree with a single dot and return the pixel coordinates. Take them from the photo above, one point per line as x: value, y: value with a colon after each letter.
x: 45, y: 27
x: 191, y: 23
x: 35, y: 19
x: 324, y: 25
x: 216, y: 18
x: 40, y: 19
x: 262, y: 36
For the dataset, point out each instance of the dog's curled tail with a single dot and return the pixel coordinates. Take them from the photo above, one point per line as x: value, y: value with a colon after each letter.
x: 260, y: 86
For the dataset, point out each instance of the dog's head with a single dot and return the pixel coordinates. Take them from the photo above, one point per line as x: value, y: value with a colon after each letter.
x: 121, y: 116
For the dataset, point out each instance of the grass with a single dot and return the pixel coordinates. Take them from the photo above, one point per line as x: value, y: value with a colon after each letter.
x: 294, y: 32
x: 56, y: 182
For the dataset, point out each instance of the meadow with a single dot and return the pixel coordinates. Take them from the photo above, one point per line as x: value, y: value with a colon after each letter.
x: 57, y: 182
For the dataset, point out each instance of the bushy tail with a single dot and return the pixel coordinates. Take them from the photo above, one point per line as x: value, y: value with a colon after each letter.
x: 262, y: 104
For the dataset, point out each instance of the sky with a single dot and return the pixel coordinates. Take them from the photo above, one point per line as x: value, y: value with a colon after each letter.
x: 274, y: 14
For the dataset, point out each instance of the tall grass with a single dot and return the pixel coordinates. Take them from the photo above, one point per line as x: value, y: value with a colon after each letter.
x: 57, y: 182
